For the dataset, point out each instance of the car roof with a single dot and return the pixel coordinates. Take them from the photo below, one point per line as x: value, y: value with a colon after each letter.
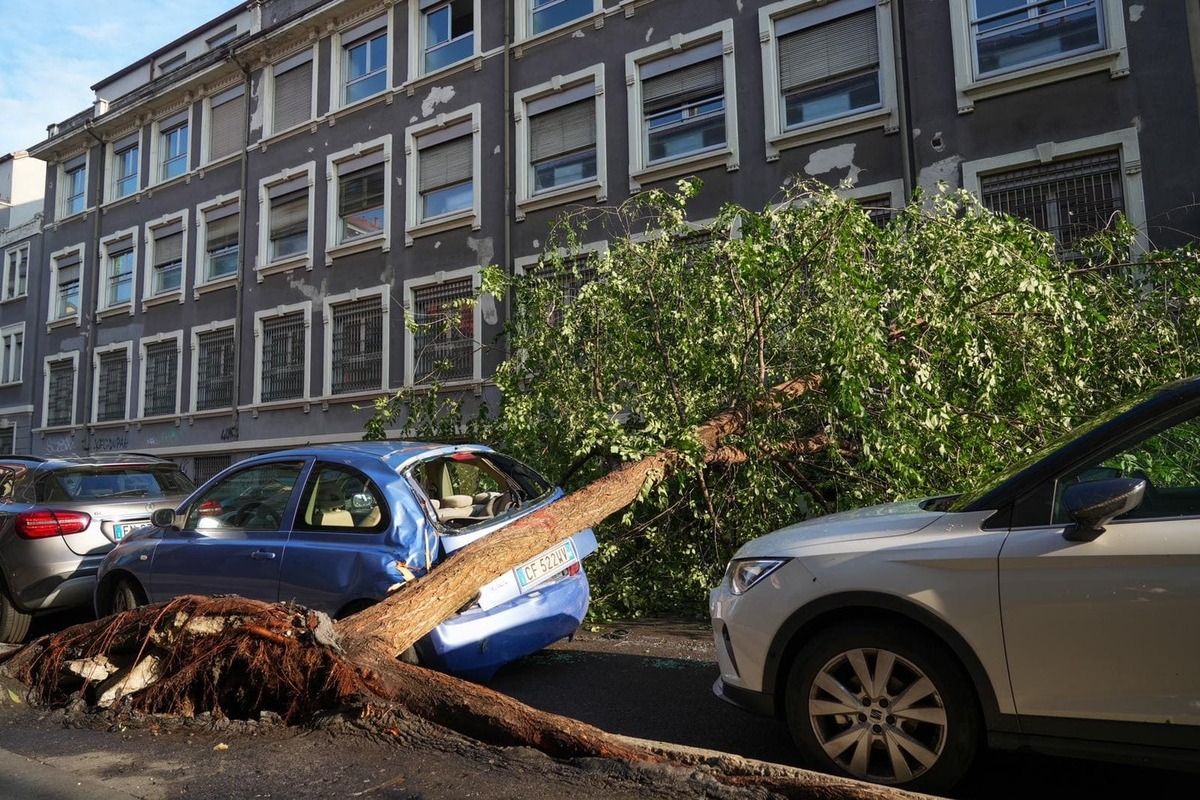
x: 395, y: 453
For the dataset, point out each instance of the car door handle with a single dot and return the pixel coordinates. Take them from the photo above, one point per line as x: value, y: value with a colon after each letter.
x: 262, y: 555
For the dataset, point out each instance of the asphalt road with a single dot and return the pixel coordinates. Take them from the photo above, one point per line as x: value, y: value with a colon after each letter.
x: 655, y: 682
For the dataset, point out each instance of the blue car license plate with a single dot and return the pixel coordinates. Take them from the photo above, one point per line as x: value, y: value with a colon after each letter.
x: 549, y: 563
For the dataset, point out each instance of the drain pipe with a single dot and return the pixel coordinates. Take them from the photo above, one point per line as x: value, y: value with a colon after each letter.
x: 903, y: 102
x: 90, y: 336
x: 239, y: 282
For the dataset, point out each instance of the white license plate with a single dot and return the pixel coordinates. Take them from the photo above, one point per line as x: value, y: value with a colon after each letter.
x: 120, y: 531
x: 549, y: 563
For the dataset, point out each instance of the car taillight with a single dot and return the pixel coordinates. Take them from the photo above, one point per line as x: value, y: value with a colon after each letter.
x: 210, y: 508
x: 44, y: 522
x: 574, y: 569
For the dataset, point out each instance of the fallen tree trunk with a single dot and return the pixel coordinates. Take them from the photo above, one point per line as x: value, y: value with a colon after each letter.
x: 392, y: 626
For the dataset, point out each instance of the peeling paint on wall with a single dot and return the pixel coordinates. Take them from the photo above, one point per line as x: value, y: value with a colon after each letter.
x: 649, y: 33
x: 822, y: 162
x: 941, y: 172
x: 496, y: 150
x: 484, y: 248
x: 1135, y: 12
x: 578, y: 35
x: 313, y: 293
x: 437, y: 94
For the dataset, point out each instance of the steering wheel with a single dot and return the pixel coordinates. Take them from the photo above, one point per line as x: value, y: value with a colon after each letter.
x: 259, y: 511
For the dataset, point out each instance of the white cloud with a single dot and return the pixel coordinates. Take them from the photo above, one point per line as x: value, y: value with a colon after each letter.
x: 53, y: 51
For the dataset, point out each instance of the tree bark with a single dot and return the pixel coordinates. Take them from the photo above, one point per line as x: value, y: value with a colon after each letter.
x: 392, y: 626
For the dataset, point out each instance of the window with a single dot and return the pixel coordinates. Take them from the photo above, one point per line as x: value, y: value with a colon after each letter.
x: 356, y: 344
x: 679, y: 107
x: 65, y: 267
x: 254, y: 498
x: 341, y: 499
x: 221, y: 37
x: 226, y: 123
x: 447, y: 33
x: 828, y: 69
x: 60, y: 392
x: 282, y: 355
x: 292, y: 95
x: 126, y: 166
x: 120, y: 263
x: 221, y: 226
x: 286, y: 206
x: 365, y: 61
x: 173, y: 147
x: 560, y: 136
x: 443, y: 162
x: 546, y: 15
x: 566, y: 276
x: 443, y: 341
x: 167, y: 247
x: 8, y: 440
x: 12, y: 353
x: 205, y: 467
x: 112, y: 384
x: 1002, y: 46
x: 359, y: 203
x: 16, y: 272
x: 73, y: 185
x: 1069, y: 189
x: 160, y: 377
x: 171, y: 64
x: 212, y: 386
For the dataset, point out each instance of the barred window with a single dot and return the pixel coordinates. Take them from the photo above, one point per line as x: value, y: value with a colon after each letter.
x: 162, y: 371
x: 7, y: 440
x: 283, y: 357
x: 444, y: 342
x: 1070, y: 199
x: 204, y: 467
x: 60, y: 393
x: 214, y: 369
x: 111, y: 382
x: 569, y: 276
x: 357, y: 352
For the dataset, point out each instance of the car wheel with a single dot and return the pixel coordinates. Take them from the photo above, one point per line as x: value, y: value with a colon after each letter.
x: 126, y: 596
x: 884, y: 704
x: 14, y: 623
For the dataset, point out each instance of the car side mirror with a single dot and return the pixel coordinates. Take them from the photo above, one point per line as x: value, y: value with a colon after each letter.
x: 1095, y: 503
x: 163, y: 517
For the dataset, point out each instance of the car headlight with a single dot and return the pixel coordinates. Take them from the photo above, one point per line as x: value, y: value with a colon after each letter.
x: 745, y: 572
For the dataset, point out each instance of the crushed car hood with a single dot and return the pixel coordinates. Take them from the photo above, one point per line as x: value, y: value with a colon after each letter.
x: 873, y: 522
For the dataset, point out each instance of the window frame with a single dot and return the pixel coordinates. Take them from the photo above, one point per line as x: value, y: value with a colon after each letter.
x: 283, y: 183
x: 411, y: 286
x: 17, y: 329
x: 307, y: 55
x: 149, y: 296
x: 382, y: 293
x: 440, y: 131
x: 98, y: 355
x: 116, y: 150
x: 144, y: 345
x: 197, y: 334
x: 362, y: 156
x: 886, y: 115
x: 220, y: 205
x: 564, y: 88
x: 416, y: 34
x: 524, y: 19
x: 48, y: 364
x: 233, y: 94
x: 260, y: 318
x: 641, y: 170
x: 163, y: 128
x: 67, y: 169
x: 52, y: 318
x: 343, y: 41
x: 1124, y: 142
x: 1112, y: 56
x: 109, y: 246
x: 17, y: 268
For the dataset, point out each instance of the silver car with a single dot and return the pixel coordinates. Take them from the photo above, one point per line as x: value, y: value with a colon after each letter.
x: 59, y: 516
x: 1052, y: 608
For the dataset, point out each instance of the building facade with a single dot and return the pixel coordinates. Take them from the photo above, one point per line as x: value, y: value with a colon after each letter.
x: 236, y: 232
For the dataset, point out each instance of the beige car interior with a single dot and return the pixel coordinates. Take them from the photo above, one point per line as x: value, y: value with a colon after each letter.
x: 445, y: 484
x: 327, y: 506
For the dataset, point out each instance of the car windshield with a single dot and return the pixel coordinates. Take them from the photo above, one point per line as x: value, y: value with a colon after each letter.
x: 969, y: 498
x: 112, y: 483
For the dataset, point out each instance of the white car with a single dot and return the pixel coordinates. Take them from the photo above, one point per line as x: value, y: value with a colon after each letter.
x: 1053, y: 608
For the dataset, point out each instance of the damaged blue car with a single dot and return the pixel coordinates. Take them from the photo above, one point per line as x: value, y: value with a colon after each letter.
x: 337, y: 527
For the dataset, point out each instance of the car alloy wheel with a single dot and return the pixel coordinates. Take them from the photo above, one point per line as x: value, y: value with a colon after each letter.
x: 887, y: 706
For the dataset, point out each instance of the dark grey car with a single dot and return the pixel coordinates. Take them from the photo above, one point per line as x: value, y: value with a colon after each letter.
x: 59, y: 516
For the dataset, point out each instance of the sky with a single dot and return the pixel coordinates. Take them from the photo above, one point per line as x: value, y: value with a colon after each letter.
x: 52, y: 51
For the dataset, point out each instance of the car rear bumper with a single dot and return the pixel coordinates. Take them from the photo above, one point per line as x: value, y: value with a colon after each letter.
x: 475, y: 643
x: 51, y: 578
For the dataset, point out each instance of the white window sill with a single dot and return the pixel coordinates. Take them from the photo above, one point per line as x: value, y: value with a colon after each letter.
x: 410, y: 87
x: 385, y: 95
x: 208, y: 413
x: 595, y: 19
x: 458, y: 219
x: 157, y: 419
x: 360, y: 396
x: 113, y: 424
x: 64, y: 322
x: 884, y: 118
x: 14, y: 297
x: 304, y: 403
x: 682, y: 166
x: 310, y: 125
x: 46, y: 430
x: 591, y: 189
x: 1116, y: 61
x: 183, y: 178
x: 17, y: 382
x: 224, y: 282
x: 219, y: 162
x: 114, y: 311
x: 78, y: 215
x: 162, y: 299
x: 378, y: 241
x: 283, y: 265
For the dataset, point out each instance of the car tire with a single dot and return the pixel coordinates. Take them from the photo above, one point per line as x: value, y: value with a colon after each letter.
x: 883, y: 703
x: 126, y: 596
x: 14, y: 623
